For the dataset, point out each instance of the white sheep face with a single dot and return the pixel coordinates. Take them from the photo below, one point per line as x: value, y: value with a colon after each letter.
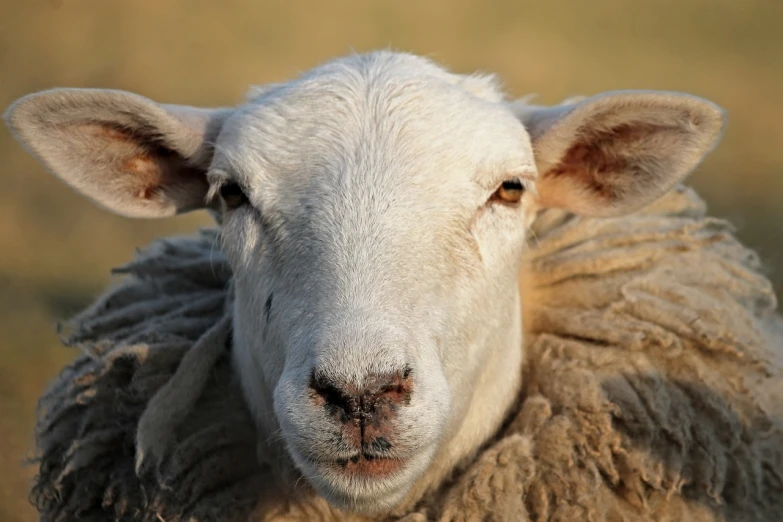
x: 370, y: 247
x: 374, y: 212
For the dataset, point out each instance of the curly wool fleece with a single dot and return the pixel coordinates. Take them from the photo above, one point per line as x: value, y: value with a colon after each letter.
x: 652, y: 390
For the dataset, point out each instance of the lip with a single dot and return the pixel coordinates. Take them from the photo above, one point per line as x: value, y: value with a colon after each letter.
x: 368, y: 466
x: 361, y: 466
x: 364, y: 482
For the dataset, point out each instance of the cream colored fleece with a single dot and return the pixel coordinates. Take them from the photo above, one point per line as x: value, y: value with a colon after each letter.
x: 652, y: 389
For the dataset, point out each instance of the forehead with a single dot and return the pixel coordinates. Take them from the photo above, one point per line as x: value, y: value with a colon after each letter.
x: 382, y: 114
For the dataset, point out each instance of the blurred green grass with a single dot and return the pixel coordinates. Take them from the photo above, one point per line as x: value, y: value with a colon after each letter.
x: 57, y: 249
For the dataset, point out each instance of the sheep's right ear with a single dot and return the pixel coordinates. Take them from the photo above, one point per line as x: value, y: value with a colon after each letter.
x: 126, y: 153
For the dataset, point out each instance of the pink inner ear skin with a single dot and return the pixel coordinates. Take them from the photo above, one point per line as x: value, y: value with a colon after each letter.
x: 599, y: 162
x: 146, y: 169
x: 147, y: 172
x: 105, y: 132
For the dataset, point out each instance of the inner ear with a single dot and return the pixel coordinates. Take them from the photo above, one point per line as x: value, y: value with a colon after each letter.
x: 128, y: 154
x: 610, y: 163
x: 617, y: 152
x: 144, y: 168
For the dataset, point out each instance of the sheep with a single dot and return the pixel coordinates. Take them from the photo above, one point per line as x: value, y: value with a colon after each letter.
x: 428, y: 302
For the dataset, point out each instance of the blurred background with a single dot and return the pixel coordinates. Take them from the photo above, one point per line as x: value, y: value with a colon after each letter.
x: 56, y: 249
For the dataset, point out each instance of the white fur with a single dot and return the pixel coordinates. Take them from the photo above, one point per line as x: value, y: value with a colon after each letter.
x: 375, y: 256
x: 370, y: 225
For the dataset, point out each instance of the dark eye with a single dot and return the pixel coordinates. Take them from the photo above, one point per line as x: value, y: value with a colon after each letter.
x: 510, y: 192
x: 232, y: 195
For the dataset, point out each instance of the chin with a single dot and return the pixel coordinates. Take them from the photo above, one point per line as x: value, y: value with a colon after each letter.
x: 364, y: 486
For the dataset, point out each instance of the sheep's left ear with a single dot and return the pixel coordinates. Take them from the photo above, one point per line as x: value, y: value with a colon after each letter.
x: 614, y: 153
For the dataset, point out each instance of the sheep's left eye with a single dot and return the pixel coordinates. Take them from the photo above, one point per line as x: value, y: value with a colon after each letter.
x: 510, y: 192
x: 233, y: 195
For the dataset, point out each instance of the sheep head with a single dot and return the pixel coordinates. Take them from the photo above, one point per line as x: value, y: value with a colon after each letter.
x: 374, y: 212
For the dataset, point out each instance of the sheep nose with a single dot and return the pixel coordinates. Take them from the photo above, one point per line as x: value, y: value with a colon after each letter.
x: 366, y: 412
x: 391, y: 389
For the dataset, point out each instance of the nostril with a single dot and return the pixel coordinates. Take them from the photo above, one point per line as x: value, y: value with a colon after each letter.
x: 332, y: 396
x: 395, y: 388
x: 323, y: 386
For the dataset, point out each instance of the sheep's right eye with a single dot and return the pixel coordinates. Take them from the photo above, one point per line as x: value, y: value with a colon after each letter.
x: 233, y: 195
x: 509, y: 192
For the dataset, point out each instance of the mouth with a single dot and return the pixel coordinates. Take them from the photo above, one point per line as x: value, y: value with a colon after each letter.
x: 367, y: 466
x: 364, y: 480
x: 364, y: 483
x: 362, y: 465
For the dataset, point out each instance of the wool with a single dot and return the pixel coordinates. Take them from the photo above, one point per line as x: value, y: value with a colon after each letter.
x: 652, y: 389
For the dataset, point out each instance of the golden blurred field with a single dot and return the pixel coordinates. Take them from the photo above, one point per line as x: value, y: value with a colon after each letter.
x: 57, y: 249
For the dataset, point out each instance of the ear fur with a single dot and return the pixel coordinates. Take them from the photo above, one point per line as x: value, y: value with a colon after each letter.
x: 126, y: 153
x: 616, y: 152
